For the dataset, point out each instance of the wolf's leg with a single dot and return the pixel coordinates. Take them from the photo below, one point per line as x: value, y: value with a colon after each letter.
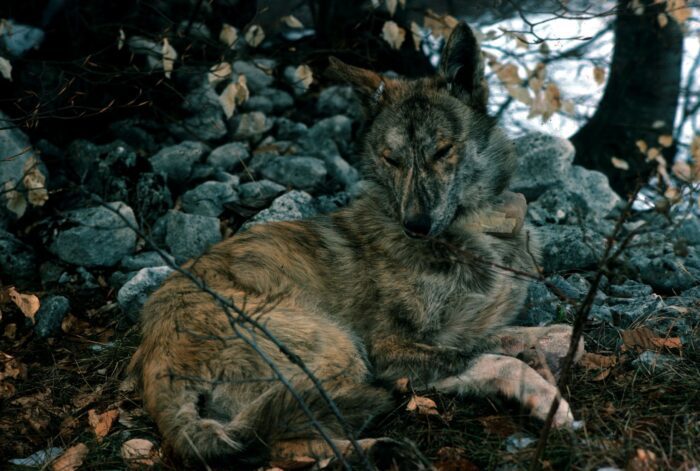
x: 490, y: 374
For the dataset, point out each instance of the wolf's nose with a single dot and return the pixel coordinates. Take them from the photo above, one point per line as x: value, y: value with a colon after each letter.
x: 417, y: 225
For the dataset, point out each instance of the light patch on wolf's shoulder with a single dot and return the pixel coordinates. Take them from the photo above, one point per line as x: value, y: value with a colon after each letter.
x: 395, y: 138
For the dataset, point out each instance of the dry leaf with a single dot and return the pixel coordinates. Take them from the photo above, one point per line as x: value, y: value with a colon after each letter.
x: 219, y: 72
x: 599, y: 75
x: 391, y: 6
x: 642, y: 146
x: 453, y: 459
x: 303, y: 77
x: 422, y: 405
x: 666, y: 140
x: 255, y: 35
x: 645, y: 339
x: 27, y: 303
x: 138, y: 452
x: 416, y: 35
x: 653, y: 153
x: 16, y: 202
x: 393, y: 34
x: 662, y: 19
x: 35, y: 183
x: 292, y: 21
x: 439, y: 25
x: 644, y: 460
x: 228, y: 35
x: 169, y: 56
x: 5, y: 68
x: 71, y: 459
x: 234, y: 94
x: 592, y: 361
x: 293, y: 462
x: 506, y: 73
x: 568, y: 106
x: 102, y: 423
x: 678, y: 9
x: 620, y: 163
x: 11, y: 367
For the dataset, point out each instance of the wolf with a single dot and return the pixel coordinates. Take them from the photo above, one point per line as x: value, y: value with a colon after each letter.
x: 403, y: 283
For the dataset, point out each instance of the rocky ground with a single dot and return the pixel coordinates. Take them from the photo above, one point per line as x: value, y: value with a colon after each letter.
x: 289, y: 154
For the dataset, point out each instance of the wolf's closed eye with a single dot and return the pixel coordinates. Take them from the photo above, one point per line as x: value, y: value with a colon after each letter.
x: 442, y: 152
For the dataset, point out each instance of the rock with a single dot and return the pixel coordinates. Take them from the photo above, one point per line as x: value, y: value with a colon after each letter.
x: 543, y: 162
x: 258, y: 103
x: 208, y: 199
x: 188, y: 235
x: 175, y: 162
x: 132, y: 296
x: 207, y: 125
x: 655, y: 363
x: 634, y: 310
x: 259, y: 194
x: 50, y: 273
x: 103, y: 170
x: 279, y: 99
x: 341, y: 171
x: 570, y: 247
x: 339, y: 100
x: 201, y: 97
x: 251, y: 125
x: 18, y: 38
x: 89, y: 281
x: 286, y: 129
x: 17, y: 260
x: 145, y: 260
x: 50, y: 316
x: 257, y: 73
x: 666, y: 273
x: 152, y: 196
x: 291, y: 206
x: 294, y: 80
x: 119, y: 279
x: 594, y: 188
x: 135, y: 133
x: 689, y: 230
x: 229, y: 157
x: 96, y: 236
x: 330, y: 203
x: 630, y: 289
x: 338, y: 128
x: 541, y: 306
x: 298, y: 172
x: 558, y: 206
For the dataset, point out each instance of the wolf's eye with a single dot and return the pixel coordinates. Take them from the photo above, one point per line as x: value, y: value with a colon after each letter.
x: 442, y: 153
x: 386, y: 155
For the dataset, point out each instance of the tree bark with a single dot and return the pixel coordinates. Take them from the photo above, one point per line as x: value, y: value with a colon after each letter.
x: 640, y: 99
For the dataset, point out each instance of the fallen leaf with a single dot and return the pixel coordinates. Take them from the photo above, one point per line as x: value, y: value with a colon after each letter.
x: 102, y: 423
x: 16, y: 202
x: 391, y: 6
x: 11, y: 367
x: 219, y: 72
x: 228, y: 35
x: 643, y: 460
x: 666, y: 140
x: 27, y: 303
x: 402, y: 385
x: 662, y: 19
x: 71, y: 459
x: 678, y: 9
x: 5, y: 68
x: 620, y: 163
x: 393, y: 34
x: 422, y: 405
x: 644, y: 338
x: 416, y: 35
x: 35, y: 183
x: 292, y: 463
x: 169, y: 56
x: 599, y: 75
x: 568, y: 106
x: 292, y: 21
x: 642, y: 146
x: 453, y: 459
x: 139, y: 452
x: 255, y: 35
x: 439, y: 25
x: 304, y: 77
x: 594, y: 360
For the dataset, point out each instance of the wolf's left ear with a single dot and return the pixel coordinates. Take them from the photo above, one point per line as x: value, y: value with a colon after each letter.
x: 462, y: 66
x: 373, y: 89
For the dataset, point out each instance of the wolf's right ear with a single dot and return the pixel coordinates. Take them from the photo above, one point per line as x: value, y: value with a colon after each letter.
x: 462, y: 66
x: 372, y: 88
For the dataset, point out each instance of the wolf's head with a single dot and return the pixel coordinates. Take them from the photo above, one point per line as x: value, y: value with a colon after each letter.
x: 429, y: 142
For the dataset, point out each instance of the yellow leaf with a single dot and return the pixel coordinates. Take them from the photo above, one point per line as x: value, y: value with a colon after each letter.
x: 416, y: 35
x: 642, y: 146
x: 666, y: 140
x: 6, y: 68
x: 519, y: 93
x: 228, y: 35
x: 391, y: 6
x: 662, y: 19
x: 242, y: 94
x: 653, y: 153
x: 219, y: 72
x: 227, y: 99
x: 71, y: 459
x: 169, y: 56
x: 292, y: 21
x: 552, y: 100
x: 35, y: 183
x: 102, y: 423
x: 393, y: 34
x: 255, y: 35
x: 507, y: 73
x: 620, y: 163
x: 27, y: 303
x: 139, y: 453
x: 599, y: 75
x: 678, y: 9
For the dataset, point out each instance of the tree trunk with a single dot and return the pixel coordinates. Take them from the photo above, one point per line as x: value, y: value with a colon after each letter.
x: 640, y: 99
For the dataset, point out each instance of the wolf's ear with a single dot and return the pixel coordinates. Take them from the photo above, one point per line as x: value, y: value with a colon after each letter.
x: 372, y: 88
x: 462, y: 66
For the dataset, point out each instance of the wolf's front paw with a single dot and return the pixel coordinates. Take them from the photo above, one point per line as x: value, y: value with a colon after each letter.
x: 541, y: 403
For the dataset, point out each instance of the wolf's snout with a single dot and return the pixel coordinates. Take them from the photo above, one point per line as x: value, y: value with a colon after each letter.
x: 417, y: 224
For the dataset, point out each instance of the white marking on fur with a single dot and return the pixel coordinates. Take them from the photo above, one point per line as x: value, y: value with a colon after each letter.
x: 395, y: 138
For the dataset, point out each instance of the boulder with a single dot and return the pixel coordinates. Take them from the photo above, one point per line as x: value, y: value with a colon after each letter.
x: 187, y: 235
x: 298, y: 172
x: 133, y: 295
x: 209, y: 198
x: 176, y: 162
x: 291, y: 206
x: 50, y: 316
